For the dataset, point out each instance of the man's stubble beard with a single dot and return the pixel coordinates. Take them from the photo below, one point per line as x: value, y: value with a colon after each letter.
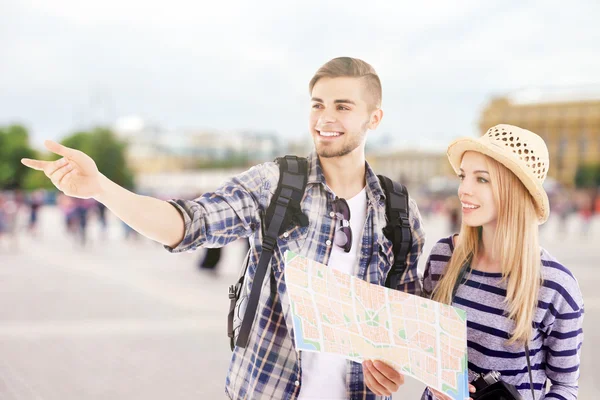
x: 348, y: 147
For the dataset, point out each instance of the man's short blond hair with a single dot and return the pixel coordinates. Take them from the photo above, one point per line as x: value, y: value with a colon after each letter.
x: 351, y: 68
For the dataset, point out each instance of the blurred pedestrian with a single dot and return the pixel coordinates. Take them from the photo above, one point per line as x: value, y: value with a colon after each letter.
x: 102, y: 220
x: 35, y: 203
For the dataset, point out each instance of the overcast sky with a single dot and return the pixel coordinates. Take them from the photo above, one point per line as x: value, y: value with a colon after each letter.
x: 246, y: 64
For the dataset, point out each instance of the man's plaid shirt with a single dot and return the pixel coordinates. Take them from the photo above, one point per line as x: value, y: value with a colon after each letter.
x: 269, y: 366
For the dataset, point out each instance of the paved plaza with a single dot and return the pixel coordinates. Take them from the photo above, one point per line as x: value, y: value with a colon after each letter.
x: 127, y: 320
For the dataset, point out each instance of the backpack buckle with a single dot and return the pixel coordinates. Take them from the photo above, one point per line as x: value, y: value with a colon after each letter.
x: 232, y: 292
x: 268, y: 244
x: 404, y: 222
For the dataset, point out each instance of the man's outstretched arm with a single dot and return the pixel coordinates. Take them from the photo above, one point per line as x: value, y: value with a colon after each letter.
x: 77, y: 175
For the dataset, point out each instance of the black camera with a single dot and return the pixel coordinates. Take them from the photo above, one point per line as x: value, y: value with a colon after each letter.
x: 491, y: 387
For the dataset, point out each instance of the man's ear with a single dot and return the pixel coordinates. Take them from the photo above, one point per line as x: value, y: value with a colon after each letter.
x: 376, y: 117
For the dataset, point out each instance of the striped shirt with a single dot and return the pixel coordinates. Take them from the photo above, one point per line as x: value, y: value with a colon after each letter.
x: 269, y: 366
x: 558, y: 335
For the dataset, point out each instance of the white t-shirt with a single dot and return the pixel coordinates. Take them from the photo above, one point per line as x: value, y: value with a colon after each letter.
x: 324, y: 375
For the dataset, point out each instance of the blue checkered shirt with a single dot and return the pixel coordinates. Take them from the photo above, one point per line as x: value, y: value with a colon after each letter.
x: 269, y: 366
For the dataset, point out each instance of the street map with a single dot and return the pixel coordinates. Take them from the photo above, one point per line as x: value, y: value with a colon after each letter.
x: 337, y: 313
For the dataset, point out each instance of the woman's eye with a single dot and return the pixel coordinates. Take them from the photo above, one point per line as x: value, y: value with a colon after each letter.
x: 482, y: 180
x: 461, y: 177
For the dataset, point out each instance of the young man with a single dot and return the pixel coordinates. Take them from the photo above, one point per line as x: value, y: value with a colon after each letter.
x: 345, y: 105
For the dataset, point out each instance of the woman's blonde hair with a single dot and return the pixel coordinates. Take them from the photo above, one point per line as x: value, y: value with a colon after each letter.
x: 515, y: 246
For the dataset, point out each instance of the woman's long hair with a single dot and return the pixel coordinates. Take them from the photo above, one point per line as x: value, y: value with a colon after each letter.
x: 515, y: 246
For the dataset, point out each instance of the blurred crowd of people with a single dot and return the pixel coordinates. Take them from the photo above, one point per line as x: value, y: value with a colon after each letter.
x: 564, y: 204
x: 20, y: 214
x: 19, y: 211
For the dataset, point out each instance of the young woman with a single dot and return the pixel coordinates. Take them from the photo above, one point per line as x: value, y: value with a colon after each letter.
x: 518, y: 298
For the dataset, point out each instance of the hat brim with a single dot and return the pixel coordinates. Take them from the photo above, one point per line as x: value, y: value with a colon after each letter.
x: 459, y: 147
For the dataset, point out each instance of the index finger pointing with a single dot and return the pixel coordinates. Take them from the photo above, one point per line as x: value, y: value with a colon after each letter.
x: 58, y: 148
x: 35, y: 164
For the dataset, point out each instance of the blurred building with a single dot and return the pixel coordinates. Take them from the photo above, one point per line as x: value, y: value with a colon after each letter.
x: 259, y: 146
x: 152, y: 149
x: 567, y: 119
x: 148, y: 150
x: 411, y: 167
x: 301, y: 146
x: 183, y: 184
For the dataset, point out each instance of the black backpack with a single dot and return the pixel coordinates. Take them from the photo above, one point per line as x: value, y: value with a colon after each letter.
x: 284, y: 210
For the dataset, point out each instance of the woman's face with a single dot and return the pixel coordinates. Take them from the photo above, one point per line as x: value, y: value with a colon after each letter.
x: 479, y: 207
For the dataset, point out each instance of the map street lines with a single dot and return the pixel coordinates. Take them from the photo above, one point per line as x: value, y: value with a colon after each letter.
x: 338, y: 313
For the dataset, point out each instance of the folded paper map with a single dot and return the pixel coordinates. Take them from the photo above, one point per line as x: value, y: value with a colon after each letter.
x: 337, y: 313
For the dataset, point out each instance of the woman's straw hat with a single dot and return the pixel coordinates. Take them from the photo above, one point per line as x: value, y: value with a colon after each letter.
x: 521, y: 151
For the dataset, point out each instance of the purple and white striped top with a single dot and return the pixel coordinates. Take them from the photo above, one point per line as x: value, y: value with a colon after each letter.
x: 558, y: 334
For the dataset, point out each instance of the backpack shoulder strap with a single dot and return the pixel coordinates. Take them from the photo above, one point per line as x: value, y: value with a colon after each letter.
x: 397, y: 229
x: 283, y: 209
x: 285, y: 204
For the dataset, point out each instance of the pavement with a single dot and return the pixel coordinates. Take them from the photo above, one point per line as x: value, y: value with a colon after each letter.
x: 127, y: 320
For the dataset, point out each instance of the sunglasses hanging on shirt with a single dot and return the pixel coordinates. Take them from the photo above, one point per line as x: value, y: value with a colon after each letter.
x: 343, y: 232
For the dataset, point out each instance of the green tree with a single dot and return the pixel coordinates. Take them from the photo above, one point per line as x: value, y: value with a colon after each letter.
x: 14, y: 145
x: 588, y: 176
x: 106, y: 150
